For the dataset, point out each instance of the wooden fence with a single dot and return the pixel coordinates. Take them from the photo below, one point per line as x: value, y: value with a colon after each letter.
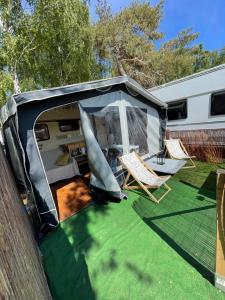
x: 21, y: 273
x: 220, y: 238
x: 206, y: 145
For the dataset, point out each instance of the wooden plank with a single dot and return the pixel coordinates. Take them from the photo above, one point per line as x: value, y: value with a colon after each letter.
x: 220, y: 235
x: 21, y: 271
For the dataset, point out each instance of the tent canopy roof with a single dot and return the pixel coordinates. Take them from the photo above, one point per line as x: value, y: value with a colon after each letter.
x: 41, y: 95
x: 86, y: 86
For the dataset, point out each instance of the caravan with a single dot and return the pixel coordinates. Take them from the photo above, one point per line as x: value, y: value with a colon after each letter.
x: 196, y: 109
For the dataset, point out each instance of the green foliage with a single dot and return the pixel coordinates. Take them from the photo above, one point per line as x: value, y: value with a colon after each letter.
x: 6, y: 85
x: 128, y: 39
x: 9, y: 11
x: 206, y: 59
x: 50, y: 44
x: 62, y: 34
x: 175, y: 58
x: 46, y: 43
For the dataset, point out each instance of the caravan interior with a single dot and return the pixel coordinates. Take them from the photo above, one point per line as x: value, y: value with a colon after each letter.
x: 63, y: 151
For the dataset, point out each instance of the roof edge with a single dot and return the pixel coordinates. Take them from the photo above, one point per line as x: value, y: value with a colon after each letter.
x: 11, y: 105
x: 85, y: 86
x: 189, y: 77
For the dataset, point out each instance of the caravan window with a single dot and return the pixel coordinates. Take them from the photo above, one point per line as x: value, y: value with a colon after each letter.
x: 177, y: 110
x: 69, y: 125
x: 218, y: 104
x: 41, y: 132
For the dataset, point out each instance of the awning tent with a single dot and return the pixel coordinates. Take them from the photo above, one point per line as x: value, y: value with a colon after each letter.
x: 116, y: 114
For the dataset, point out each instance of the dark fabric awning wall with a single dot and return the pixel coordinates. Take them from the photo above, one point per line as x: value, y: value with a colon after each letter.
x: 9, y: 109
x: 26, y: 108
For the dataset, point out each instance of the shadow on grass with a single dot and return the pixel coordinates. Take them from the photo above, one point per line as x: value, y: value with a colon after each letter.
x: 209, y: 186
x: 190, y: 259
x: 207, y: 189
x: 179, y: 245
x: 66, y: 251
x: 204, y: 180
x: 141, y: 276
x: 182, y: 212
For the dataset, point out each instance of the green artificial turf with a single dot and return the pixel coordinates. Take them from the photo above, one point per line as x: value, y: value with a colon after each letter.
x: 136, y: 249
x: 202, y: 177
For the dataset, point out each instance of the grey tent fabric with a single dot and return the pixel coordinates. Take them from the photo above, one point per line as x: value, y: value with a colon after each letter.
x: 101, y: 174
x: 24, y: 109
x: 86, y: 86
x: 15, y: 158
x: 39, y: 180
x: 9, y: 109
x: 107, y: 128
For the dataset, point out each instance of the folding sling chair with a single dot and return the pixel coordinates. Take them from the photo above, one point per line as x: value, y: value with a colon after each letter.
x: 176, y: 150
x: 143, y: 175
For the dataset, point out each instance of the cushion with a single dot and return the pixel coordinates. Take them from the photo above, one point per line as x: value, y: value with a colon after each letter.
x: 63, y: 159
x: 49, y: 157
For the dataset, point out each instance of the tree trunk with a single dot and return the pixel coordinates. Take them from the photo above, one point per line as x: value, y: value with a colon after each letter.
x: 120, y: 67
x: 21, y: 271
x: 16, y: 85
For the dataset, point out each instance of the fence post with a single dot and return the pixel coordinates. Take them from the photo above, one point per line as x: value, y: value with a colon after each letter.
x: 21, y: 271
x: 220, y: 232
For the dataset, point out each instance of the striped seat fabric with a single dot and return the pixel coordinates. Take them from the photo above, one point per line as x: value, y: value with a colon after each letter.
x: 175, y: 150
x: 140, y: 172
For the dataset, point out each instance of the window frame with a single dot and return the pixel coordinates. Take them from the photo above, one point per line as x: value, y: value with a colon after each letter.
x: 211, y: 103
x: 48, y: 134
x: 139, y: 111
x: 64, y: 120
x: 174, y: 102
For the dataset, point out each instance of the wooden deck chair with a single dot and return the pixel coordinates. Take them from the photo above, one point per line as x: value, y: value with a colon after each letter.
x: 143, y: 175
x: 176, y: 150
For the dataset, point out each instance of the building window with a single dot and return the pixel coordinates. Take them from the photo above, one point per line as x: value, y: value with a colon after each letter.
x: 69, y: 125
x: 41, y: 132
x: 177, y: 110
x: 218, y: 104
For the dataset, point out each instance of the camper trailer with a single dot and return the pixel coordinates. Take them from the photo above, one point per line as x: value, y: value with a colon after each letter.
x: 196, y: 107
x: 63, y: 143
x: 195, y: 102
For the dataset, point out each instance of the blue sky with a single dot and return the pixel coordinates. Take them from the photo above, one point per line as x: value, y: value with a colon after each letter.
x: 205, y: 16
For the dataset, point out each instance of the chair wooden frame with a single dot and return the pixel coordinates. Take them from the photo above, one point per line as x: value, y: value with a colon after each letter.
x: 127, y: 185
x: 190, y: 158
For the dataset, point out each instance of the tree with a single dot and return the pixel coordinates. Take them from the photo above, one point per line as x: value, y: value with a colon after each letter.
x: 127, y: 38
x: 127, y: 41
x: 11, y: 17
x: 175, y: 58
x: 64, y: 44
x: 44, y: 43
x: 205, y: 59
